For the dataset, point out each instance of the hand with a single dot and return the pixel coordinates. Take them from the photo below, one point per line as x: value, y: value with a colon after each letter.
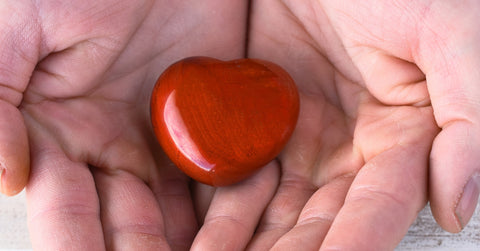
x: 77, y: 76
x: 389, y: 106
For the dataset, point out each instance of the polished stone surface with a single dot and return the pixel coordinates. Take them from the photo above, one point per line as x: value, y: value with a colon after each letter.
x: 220, y: 121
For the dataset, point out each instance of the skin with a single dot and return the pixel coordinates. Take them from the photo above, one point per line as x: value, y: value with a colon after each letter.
x: 389, y: 119
x: 98, y: 178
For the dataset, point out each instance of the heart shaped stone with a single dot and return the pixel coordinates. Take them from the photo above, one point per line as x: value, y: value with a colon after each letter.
x: 221, y: 121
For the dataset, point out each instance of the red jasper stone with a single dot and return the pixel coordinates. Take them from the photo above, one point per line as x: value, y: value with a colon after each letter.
x: 221, y: 121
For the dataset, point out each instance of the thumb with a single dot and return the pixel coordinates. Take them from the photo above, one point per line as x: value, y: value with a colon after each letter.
x: 19, y: 52
x: 14, y: 150
x: 450, y: 58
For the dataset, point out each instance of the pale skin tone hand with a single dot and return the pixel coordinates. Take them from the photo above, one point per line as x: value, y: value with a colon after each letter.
x: 77, y: 75
x: 389, y: 110
x: 354, y: 174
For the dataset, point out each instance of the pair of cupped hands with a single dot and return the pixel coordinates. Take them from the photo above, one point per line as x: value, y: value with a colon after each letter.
x: 389, y: 119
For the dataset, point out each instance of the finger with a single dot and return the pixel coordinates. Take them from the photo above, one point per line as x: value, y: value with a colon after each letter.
x: 235, y: 211
x: 18, y: 56
x: 316, y: 217
x: 391, y: 80
x: 383, y: 201
x: 455, y: 175
x: 450, y: 58
x: 171, y: 190
x: 62, y: 203
x: 14, y: 150
x: 282, y: 212
x: 202, y: 197
x: 131, y: 216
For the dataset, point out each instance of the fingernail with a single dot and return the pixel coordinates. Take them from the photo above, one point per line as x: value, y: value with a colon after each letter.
x: 468, y: 202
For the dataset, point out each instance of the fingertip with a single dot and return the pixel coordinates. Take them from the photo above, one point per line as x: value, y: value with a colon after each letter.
x: 14, y: 150
x: 468, y: 201
x: 454, y: 188
x: 14, y: 165
x: 236, y: 210
x: 2, y: 170
x: 14, y: 181
x: 455, y: 218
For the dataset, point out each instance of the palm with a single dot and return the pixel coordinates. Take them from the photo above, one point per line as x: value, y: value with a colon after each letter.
x: 367, y: 126
x: 354, y: 171
x: 86, y: 108
x: 359, y: 146
x: 360, y: 149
